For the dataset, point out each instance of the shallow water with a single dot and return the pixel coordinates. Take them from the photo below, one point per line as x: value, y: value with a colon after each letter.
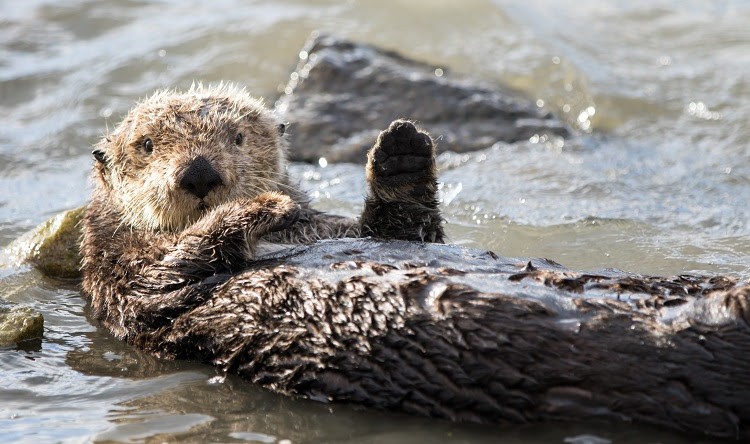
x: 657, y: 182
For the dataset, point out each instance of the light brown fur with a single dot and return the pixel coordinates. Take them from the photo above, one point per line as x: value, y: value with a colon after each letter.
x: 182, y: 126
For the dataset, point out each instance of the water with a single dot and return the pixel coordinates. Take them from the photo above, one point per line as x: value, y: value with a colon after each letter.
x: 657, y: 183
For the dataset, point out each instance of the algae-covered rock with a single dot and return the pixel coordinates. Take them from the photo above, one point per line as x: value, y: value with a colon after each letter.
x: 52, y: 247
x: 19, y: 324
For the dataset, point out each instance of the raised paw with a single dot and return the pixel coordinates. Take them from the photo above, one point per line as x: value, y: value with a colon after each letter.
x: 402, y: 155
x: 402, y: 177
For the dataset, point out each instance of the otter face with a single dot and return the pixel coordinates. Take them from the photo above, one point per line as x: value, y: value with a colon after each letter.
x: 175, y: 155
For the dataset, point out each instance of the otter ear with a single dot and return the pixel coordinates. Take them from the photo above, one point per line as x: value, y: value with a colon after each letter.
x: 99, y: 156
x: 281, y: 128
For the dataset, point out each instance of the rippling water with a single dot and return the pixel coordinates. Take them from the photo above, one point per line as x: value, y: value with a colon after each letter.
x: 657, y: 182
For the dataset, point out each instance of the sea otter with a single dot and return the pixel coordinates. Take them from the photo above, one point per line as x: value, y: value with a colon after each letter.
x: 190, y: 184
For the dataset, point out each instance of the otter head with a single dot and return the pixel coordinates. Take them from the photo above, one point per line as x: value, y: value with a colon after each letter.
x: 175, y: 155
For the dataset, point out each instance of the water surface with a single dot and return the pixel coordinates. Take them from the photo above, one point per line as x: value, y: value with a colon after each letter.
x: 657, y: 182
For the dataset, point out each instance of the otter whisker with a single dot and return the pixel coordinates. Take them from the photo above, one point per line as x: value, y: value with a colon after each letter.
x: 271, y: 181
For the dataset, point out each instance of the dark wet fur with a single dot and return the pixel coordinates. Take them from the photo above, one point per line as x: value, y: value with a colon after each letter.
x: 326, y: 322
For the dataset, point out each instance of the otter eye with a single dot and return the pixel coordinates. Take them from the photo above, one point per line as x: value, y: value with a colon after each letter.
x: 148, y: 145
x: 238, y: 139
x: 282, y: 128
x: 99, y: 156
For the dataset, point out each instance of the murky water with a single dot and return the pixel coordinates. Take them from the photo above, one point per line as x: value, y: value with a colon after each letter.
x: 657, y: 183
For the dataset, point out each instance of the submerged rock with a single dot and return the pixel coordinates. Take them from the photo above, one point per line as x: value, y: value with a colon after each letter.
x: 342, y: 93
x: 52, y: 247
x: 19, y: 324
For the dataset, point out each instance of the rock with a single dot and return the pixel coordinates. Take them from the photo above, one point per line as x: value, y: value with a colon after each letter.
x: 343, y: 93
x: 52, y: 247
x: 19, y: 324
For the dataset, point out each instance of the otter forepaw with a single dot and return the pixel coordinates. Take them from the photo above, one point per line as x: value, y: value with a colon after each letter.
x: 402, y: 177
x: 275, y: 211
x: 402, y: 155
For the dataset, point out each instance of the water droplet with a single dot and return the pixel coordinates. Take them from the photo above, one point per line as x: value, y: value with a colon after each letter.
x: 566, y: 108
x: 217, y: 380
x: 556, y: 60
x: 162, y: 53
x: 105, y: 112
x: 439, y: 72
x: 322, y: 162
x: 288, y: 90
x: 303, y: 55
x: 294, y: 76
x: 540, y: 103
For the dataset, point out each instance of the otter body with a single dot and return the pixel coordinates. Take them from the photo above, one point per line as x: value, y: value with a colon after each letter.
x: 189, y: 184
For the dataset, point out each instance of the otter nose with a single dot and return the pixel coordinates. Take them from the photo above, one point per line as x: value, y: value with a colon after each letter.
x: 200, y: 178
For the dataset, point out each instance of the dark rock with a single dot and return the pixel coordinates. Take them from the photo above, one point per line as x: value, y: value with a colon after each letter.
x: 343, y: 93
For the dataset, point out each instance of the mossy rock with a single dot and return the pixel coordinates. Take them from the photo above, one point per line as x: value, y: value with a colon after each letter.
x: 52, y: 247
x: 20, y: 324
